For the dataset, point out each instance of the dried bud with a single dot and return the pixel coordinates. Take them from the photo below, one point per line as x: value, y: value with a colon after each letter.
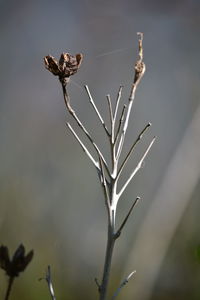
x: 17, y: 264
x: 139, y: 70
x: 68, y: 65
x: 139, y: 66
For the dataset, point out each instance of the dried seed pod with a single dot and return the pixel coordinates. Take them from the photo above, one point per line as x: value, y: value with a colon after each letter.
x: 67, y: 66
x: 18, y: 263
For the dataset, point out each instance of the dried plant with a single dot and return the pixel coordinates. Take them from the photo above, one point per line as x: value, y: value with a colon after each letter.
x: 49, y: 282
x: 116, y: 132
x: 14, y: 266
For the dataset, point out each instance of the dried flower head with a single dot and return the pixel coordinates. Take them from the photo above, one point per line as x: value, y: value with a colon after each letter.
x: 67, y: 66
x: 18, y: 263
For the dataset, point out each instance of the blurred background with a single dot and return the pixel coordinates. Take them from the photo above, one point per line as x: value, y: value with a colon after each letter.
x: 50, y: 197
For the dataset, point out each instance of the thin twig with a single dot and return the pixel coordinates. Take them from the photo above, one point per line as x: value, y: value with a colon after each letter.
x: 97, y: 283
x: 96, y: 109
x: 126, y: 218
x: 96, y: 164
x: 49, y: 282
x: 105, y: 188
x: 117, y: 102
x: 9, y: 287
x: 120, y: 124
x: 124, y: 282
x: 112, y: 136
x: 110, y: 109
x: 138, y: 167
x: 140, y: 45
x: 132, y: 148
x: 139, y: 72
x: 72, y: 112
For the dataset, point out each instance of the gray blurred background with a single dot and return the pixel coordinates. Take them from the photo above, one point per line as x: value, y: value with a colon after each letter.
x: 50, y: 197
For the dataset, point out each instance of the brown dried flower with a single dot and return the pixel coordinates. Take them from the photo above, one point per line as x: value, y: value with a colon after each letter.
x: 18, y: 263
x: 68, y: 65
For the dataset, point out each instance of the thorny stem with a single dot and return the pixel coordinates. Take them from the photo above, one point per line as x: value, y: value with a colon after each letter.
x: 10, y: 284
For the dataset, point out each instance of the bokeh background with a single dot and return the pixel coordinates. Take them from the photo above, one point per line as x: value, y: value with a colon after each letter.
x: 50, y: 198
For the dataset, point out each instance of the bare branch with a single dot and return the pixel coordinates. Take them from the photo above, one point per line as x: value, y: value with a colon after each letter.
x: 110, y: 109
x: 49, y: 282
x: 109, y: 173
x: 105, y: 187
x: 97, y: 283
x: 139, y: 72
x: 120, y: 124
x: 124, y: 282
x: 126, y: 218
x: 96, y: 109
x: 96, y: 164
x: 72, y: 112
x: 117, y: 102
x: 139, y: 165
x: 132, y: 148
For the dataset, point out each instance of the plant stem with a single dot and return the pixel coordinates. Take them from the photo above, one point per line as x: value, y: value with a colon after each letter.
x: 10, y: 283
x: 109, y: 176
x: 49, y: 282
x: 111, y: 238
x: 107, y: 264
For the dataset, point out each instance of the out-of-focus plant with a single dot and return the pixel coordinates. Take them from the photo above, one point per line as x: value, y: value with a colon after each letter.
x: 49, y: 282
x: 115, y: 133
x: 14, y: 266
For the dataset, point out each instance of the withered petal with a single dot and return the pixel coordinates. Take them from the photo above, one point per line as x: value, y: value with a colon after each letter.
x: 79, y: 58
x: 4, y: 258
x: 51, y: 64
x: 64, y: 58
x: 19, y: 253
x: 20, y: 261
x: 27, y: 259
